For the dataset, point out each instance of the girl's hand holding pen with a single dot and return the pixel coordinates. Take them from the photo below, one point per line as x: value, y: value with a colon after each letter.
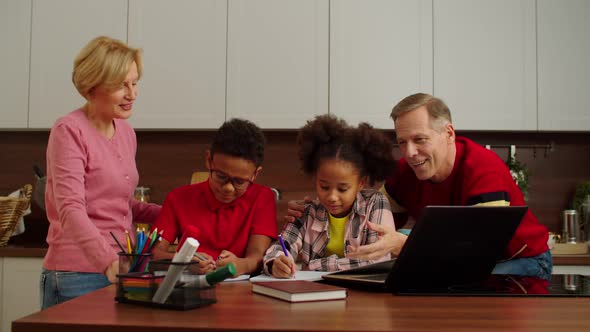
x: 283, y: 267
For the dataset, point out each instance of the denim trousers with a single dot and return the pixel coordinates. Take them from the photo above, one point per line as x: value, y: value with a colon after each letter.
x: 539, y: 266
x: 60, y: 286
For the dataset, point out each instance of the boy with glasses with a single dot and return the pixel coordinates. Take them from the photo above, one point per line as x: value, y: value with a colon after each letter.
x: 235, y: 217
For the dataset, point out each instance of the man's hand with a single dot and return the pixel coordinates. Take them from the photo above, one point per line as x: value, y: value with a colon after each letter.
x: 389, y: 241
x: 112, y: 271
x: 295, y: 209
x: 283, y: 267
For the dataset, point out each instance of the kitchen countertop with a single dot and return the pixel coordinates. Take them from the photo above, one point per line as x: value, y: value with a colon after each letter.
x: 571, y: 259
x: 40, y: 251
x: 23, y: 251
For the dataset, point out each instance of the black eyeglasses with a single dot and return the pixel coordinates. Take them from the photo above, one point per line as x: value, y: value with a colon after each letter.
x: 222, y: 178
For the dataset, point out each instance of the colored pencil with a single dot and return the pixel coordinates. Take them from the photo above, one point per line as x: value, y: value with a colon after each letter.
x: 118, y: 243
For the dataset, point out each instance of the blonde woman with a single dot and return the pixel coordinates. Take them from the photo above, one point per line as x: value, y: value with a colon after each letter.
x: 91, y: 174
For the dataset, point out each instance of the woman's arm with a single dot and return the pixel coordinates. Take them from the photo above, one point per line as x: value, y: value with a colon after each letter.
x: 145, y: 213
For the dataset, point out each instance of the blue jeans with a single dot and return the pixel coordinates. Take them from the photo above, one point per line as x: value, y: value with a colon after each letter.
x: 61, y: 286
x: 539, y: 266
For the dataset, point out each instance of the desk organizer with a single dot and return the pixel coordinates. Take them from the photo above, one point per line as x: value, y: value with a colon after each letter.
x: 139, y: 288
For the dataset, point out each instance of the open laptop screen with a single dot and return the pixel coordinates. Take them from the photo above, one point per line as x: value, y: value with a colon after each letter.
x: 452, y: 245
x: 449, y: 245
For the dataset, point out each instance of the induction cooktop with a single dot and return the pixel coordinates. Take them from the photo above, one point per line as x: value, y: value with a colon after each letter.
x: 560, y: 285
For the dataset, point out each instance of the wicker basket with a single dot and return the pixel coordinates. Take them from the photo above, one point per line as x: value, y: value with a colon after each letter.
x: 11, y: 209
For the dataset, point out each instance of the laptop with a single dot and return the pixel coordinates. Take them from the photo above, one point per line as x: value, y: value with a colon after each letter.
x: 449, y: 245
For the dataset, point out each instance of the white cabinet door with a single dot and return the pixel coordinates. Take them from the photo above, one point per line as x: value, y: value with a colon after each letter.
x: 277, y: 61
x: 60, y: 29
x: 564, y: 64
x: 20, y: 284
x: 184, y: 43
x: 485, y: 62
x: 380, y: 52
x: 15, y: 38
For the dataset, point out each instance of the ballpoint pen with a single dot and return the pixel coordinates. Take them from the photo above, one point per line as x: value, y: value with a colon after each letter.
x: 285, y: 251
x: 282, y: 242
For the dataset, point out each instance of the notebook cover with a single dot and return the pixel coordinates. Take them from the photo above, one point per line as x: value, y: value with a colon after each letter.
x: 299, y: 290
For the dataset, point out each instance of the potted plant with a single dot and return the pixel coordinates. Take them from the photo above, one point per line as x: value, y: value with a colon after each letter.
x: 520, y: 173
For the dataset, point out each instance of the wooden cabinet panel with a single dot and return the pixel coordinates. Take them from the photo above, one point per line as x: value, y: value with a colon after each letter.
x: 277, y: 61
x: 380, y: 52
x: 184, y: 45
x: 15, y: 38
x: 485, y: 62
x: 60, y: 29
x: 564, y: 68
x: 21, y: 300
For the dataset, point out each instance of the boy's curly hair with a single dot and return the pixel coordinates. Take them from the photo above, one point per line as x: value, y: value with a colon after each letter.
x: 240, y: 138
x: 327, y: 137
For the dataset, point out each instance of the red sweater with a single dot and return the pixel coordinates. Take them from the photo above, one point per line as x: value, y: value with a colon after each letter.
x: 479, y: 176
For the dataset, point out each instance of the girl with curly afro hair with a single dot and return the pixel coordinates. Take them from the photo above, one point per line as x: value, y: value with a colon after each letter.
x: 344, y: 162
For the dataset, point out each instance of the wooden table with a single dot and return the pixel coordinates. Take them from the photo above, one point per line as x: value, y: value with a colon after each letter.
x: 238, y: 309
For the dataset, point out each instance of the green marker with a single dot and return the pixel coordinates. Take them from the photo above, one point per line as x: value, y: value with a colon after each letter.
x: 214, y: 277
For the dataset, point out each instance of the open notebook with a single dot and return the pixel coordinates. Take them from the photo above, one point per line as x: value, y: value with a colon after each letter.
x: 449, y: 245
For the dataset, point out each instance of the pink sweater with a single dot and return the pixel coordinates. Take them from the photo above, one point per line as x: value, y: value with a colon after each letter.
x: 90, y: 185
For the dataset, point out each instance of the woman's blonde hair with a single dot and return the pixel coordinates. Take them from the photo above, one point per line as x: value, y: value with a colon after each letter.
x: 104, y: 61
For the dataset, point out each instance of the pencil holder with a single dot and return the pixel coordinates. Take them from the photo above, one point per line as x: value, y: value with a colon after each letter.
x: 129, y: 263
x: 186, y: 293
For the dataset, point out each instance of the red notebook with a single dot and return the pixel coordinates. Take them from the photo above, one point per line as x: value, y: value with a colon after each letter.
x: 299, y: 290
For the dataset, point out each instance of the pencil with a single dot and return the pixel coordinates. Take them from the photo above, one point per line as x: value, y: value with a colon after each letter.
x: 200, y: 257
x: 129, y: 247
x: 156, y: 239
x: 118, y: 243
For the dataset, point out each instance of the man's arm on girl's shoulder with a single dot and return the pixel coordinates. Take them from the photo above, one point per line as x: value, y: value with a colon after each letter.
x: 295, y: 209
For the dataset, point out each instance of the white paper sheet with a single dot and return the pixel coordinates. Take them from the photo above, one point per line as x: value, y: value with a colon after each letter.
x: 239, y: 278
x: 299, y: 275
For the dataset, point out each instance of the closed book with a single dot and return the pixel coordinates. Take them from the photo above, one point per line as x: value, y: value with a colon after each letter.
x: 299, y: 290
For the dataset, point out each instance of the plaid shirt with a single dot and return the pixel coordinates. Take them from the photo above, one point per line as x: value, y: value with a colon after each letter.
x: 308, y: 236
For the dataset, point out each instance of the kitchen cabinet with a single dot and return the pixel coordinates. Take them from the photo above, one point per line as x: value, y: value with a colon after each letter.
x: 380, y: 52
x: 572, y: 269
x: 15, y: 38
x: 277, y: 61
x: 60, y: 28
x: 564, y: 69
x: 183, y: 84
x: 24, y: 299
x: 485, y: 62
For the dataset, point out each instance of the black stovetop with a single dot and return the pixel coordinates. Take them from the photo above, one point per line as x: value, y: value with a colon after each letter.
x: 566, y: 285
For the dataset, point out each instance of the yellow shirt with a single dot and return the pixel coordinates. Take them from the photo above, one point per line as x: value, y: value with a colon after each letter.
x: 336, y: 227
